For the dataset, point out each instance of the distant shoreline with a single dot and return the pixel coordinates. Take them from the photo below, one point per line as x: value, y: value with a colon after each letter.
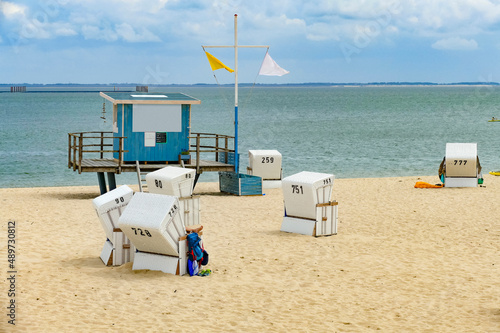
x: 307, y: 84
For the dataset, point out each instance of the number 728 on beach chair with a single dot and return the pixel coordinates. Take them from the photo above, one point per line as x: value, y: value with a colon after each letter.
x: 153, y: 224
x: 460, y: 166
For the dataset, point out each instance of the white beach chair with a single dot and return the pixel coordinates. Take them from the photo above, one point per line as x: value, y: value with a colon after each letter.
x: 461, y: 167
x: 153, y: 224
x: 309, y: 209
x: 178, y: 182
x: 117, y: 249
x: 267, y: 165
x: 175, y: 181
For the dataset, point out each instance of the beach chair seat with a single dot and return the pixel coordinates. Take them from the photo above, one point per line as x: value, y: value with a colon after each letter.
x: 309, y: 209
x: 117, y: 251
x: 461, y: 167
x: 176, y: 265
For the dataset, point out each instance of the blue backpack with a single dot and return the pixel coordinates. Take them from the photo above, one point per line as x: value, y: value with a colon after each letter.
x: 195, y: 252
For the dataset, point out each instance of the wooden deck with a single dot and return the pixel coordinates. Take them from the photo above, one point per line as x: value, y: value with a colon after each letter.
x: 111, y: 165
x: 95, y: 152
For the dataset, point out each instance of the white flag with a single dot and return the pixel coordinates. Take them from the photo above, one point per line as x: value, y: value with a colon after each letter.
x: 270, y: 67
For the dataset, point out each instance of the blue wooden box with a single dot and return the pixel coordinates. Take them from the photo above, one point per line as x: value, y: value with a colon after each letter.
x: 240, y: 184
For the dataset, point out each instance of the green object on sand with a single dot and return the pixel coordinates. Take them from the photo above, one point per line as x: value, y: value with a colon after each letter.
x: 205, y: 272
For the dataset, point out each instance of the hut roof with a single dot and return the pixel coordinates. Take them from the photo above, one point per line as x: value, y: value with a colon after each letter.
x: 148, y: 98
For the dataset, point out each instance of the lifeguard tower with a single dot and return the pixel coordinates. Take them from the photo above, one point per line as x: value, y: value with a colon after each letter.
x: 150, y: 131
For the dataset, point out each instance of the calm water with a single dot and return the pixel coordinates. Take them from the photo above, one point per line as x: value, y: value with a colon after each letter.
x: 351, y: 132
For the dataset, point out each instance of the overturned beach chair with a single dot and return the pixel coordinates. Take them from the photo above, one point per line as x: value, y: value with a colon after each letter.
x: 178, y: 182
x: 460, y: 166
x: 153, y: 224
x: 267, y: 165
x: 117, y: 249
x: 309, y: 209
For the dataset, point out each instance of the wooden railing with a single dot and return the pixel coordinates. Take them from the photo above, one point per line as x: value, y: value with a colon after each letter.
x: 210, y: 143
x: 96, y: 145
x: 99, y: 145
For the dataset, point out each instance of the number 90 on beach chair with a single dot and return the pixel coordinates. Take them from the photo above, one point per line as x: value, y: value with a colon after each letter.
x: 309, y: 209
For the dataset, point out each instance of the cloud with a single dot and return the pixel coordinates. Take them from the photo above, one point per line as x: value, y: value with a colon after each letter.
x: 63, y: 29
x: 122, y: 31
x: 127, y: 32
x: 10, y: 9
x: 94, y: 32
x: 455, y: 43
x: 321, y: 32
x: 294, y: 26
x: 442, y: 17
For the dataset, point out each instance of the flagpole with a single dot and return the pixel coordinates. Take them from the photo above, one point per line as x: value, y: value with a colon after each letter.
x: 236, y: 47
x: 236, y: 157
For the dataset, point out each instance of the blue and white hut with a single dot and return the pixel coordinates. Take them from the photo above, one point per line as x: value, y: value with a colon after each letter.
x: 155, y: 126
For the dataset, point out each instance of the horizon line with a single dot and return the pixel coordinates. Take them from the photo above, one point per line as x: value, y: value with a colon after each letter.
x: 256, y: 84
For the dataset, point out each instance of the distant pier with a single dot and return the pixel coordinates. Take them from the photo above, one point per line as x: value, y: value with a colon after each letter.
x: 18, y: 89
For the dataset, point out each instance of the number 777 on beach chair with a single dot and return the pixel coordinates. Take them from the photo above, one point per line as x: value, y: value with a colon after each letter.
x: 308, y: 206
x: 460, y: 166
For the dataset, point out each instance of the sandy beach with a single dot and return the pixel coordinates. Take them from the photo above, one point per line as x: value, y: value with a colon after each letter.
x: 404, y: 260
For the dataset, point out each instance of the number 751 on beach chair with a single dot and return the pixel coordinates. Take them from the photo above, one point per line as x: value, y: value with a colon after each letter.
x: 460, y: 166
x: 308, y: 206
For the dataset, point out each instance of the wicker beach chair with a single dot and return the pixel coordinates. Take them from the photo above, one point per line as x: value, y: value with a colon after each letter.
x: 460, y: 166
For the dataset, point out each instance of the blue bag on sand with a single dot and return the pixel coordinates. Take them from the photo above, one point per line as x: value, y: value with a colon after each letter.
x: 195, y: 251
x: 193, y: 267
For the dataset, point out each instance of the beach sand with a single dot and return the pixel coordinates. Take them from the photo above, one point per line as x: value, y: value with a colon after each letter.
x: 404, y: 260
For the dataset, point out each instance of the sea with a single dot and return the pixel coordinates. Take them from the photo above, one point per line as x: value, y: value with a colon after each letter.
x: 349, y: 131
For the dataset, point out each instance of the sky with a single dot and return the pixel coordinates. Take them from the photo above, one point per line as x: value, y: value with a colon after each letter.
x: 160, y: 41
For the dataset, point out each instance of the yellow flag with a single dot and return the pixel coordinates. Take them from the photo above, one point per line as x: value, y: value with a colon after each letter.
x: 216, y: 63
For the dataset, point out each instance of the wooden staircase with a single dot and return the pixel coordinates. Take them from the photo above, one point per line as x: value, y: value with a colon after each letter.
x: 141, y: 178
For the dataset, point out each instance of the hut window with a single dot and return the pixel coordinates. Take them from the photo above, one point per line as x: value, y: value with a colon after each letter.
x: 156, y: 118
